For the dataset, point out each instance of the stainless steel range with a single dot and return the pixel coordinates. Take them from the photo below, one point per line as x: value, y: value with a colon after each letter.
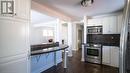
x: 93, y: 53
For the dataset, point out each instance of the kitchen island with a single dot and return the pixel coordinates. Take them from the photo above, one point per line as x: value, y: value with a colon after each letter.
x: 44, y: 58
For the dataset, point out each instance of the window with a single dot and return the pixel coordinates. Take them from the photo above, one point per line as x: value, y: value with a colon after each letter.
x: 47, y: 32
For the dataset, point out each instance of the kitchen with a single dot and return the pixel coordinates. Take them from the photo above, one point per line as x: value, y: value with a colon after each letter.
x: 105, y: 30
x: 52, y: 46
x: 103, y: 33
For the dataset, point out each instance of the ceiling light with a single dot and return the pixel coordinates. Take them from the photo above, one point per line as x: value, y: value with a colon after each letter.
x: 86, y: 3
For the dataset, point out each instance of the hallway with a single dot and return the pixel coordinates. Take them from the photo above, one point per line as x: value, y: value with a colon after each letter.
x: 76, y: 66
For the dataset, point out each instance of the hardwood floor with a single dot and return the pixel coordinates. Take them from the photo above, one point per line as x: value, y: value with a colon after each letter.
x: 76, y: 66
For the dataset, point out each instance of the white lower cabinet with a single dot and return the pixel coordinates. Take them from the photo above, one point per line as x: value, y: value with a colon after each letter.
x: 110, y: 56
x: 106, y: 55
x: 114, y: 56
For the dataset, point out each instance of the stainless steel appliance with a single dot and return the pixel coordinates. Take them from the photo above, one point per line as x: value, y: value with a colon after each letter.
x: 124, y: 62
x: 94, y: 30
x: 93, y: 53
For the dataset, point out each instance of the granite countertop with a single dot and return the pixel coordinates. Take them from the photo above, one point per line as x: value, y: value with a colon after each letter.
x: 48, y: 50
x: 43, y: 46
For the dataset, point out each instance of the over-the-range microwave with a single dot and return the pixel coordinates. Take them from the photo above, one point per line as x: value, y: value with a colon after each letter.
x: 94, y: 29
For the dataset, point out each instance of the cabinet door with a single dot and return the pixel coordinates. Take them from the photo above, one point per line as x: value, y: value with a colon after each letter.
x: 114, y: 56
x: 106, y: 55
x: 95, y: 22
x: 91, y: 22
x: 119, y: 22
x: 106, y: 27
x: 22, y: 10
x: 98, y: 21
x: 110, y: 25
x: 113, y: 24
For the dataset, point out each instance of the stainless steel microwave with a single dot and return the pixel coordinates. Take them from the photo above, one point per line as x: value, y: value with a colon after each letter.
x: 94, y: 30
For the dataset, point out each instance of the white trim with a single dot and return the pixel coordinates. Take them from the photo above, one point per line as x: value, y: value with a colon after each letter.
x: 15, y: 66
x: 13, y: 61
x: 16, y: 19
x: 4, y: 60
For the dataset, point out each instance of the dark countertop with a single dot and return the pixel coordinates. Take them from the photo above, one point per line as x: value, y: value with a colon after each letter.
x: 43, y: 46
x: 48, y: 50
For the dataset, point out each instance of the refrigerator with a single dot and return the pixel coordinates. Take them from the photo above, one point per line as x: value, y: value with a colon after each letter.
x: 124, y: 52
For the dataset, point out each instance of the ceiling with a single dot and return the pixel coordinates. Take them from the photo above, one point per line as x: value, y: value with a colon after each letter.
x: 37, y: 18
x: 73, y: 8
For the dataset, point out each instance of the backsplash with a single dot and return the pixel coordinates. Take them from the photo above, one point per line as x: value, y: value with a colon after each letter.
x: 104, y: 39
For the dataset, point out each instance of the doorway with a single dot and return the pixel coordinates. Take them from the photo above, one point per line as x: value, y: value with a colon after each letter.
x: 79, y: 37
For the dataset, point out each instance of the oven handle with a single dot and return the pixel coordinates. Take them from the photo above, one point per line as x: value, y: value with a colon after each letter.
x: 93, y: 47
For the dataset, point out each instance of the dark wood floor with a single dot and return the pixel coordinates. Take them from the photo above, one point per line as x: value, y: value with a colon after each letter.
x: 76, y: 66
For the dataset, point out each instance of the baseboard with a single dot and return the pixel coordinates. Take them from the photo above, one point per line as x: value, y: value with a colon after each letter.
x: 110, y: 65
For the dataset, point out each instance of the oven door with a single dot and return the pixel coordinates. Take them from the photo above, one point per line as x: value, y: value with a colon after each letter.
x: 93, y: 52
x: 93, y: 55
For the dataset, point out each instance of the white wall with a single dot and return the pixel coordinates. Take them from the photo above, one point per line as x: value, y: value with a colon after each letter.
x: 36, y: 36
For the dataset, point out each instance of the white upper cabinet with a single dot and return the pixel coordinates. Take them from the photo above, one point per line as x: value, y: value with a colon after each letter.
x: 22, y: 10
x: 106, y: 25
x: 119, y: 22
x: 111, y: 24
x: 95, y: 22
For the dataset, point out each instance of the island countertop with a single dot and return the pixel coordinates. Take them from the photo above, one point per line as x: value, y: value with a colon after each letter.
x: 48, y: 50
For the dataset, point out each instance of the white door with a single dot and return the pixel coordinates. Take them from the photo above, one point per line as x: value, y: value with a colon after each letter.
x: 14, y: 40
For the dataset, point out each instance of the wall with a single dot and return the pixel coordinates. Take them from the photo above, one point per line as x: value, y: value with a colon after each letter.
x: 36, y: 36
